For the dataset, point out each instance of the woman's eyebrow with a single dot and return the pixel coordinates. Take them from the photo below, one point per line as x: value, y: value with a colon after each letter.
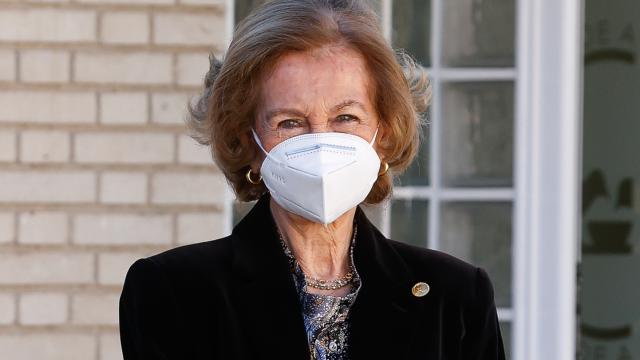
x: 348, y: 103
x: 294, y: 112
x: 284, y: 111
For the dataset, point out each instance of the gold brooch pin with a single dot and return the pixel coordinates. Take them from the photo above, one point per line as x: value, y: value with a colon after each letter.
x: 420, y: 289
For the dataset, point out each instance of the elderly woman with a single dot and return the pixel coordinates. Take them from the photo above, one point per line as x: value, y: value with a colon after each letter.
x: 310, y: 114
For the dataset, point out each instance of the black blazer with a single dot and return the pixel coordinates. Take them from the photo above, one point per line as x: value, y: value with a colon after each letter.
x: 234, y: 298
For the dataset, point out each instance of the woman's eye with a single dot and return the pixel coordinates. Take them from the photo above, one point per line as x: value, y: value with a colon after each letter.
x: 289, y: 124
x: 346, y: 118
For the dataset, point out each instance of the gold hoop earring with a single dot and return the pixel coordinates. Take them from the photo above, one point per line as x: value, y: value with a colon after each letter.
x: 250, y: 180
x: 385, y: 165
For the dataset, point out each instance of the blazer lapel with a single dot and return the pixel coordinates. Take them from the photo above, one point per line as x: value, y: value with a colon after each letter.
x: 265, y: 295
x: 385, y: 315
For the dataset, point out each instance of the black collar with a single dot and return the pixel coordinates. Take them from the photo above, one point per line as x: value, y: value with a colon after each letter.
x: 384, y: 309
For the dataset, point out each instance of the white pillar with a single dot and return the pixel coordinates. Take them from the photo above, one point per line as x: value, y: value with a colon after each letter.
x: 547, y: 163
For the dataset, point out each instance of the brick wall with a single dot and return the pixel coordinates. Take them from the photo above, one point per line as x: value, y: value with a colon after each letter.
x: 96, y: 169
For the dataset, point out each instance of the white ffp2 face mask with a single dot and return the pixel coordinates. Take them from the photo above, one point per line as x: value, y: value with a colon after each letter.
x: 320, y: 176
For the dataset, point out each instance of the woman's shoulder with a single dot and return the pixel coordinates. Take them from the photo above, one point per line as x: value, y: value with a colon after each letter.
x: 443, y: 271
x: 420, y: 257
x: 188, y: 262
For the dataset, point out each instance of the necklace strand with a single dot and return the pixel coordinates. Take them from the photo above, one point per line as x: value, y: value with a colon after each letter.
x: 332, y: 284
x: 321, y: 284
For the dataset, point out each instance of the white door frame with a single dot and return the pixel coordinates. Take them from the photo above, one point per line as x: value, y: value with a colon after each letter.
x: 547, y: 163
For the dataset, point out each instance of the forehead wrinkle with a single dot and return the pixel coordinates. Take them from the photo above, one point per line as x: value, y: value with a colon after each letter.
x: 286, y: 69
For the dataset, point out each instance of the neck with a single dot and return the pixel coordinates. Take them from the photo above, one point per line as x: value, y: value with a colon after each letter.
x: 321, y: 250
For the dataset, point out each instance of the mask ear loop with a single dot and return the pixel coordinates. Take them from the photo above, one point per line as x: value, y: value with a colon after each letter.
x: 374, y: 136
x: 385, y: 164
x: 255, y: 137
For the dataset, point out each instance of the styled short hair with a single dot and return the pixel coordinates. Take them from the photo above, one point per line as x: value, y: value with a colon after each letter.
x: 225, y: 112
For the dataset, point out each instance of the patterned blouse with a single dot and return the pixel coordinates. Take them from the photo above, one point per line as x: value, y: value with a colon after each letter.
x: 325, y: 317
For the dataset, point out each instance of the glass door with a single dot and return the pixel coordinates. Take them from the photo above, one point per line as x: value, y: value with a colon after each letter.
x: 610, y: 290
x: 458, y: 195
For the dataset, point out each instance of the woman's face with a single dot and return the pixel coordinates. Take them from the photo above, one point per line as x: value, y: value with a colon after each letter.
x: 323, y: 90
